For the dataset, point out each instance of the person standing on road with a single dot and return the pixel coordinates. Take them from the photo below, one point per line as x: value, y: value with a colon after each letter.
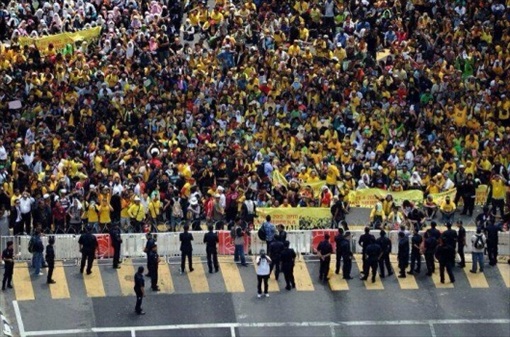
x: 116, y: 240
x: 492, y: 232
x: 461, y: 243
x: 430, y: 249
x: 445, y: 254
x: 364, y: 241
x: 346, y: 253
x: 38, y: 249
x: 186, y: 249
x: 153, y: 266
x: 403, y: 254
x: 50, y: 260
x: 237, y: 235
x: 8, y: 258
x: 416, y: 241
x: 478, y: 245
x: 288, y: 258
x: 275, y: 252
x: 373, y: 255
x: 385, y: 243
x: 88, y: 246
x: 338, y: 240
x: 139, y: 290
x: 151, y: 241
x: 211, y: 240
x: 270, y: 231
x: 449, y: 236
x: 263, y: 270
x: 324, y: 250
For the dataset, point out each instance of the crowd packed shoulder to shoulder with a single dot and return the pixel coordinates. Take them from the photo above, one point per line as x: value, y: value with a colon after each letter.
x: 197, y: 104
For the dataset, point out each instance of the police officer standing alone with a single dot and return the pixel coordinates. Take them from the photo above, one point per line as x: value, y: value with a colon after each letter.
x: 461, y: 243
x: 275, y: 253
x: 385, y: 243
x: 153, y: 267
x: 88, y: 246
x: 373, y: 254
x: 403, y: 254
x: 116, y: 240
x: 324, y: 250
x: 8, y: 258
x: 151, y: 241
x: 345, y: 252
x: 50, y: 260
x: 338, y: 239
x: 139, y: 290
x: 491, y: 231
x: 416, y: 241
x: 364, y: 241
x: 449, y: 237
x: 186, y: 248
x: 288, y: 258
x: 211, y: 240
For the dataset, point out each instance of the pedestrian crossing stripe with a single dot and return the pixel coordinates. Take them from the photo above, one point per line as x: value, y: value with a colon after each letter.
x: 232, y: 278
x: 437, y: 279
x: 377, y: 285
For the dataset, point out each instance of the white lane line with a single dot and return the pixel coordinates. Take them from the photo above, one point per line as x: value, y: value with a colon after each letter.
x: 133, y: 333
x: 432, y: 330
x: 17, y: 312
x: 232, y: 326
x: 232, y: 331
x: 332, y: 330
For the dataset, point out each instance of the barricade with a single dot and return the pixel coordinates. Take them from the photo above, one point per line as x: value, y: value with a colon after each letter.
x: 133, y: 245
x: 226, y: 243
x: 504, y: 244
x: 66, y: 246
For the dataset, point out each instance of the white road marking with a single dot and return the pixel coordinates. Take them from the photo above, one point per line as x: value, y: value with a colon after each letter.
x: 332, y: 330
x: 133, y: 333
x: 17, y: 312
x: 432, y: 330
x: 232, y: 331
x: 232, y: 326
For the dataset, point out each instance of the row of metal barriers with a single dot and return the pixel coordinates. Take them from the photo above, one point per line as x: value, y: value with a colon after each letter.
x: 303, y: 241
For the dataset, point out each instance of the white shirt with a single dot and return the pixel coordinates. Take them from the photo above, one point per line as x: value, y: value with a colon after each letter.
x: 263, y: 268
x: 3, y: 153
x: 117, y: 189
x: 25, y: 204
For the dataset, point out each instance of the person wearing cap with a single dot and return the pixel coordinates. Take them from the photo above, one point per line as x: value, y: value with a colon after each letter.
x: 8, y: 259
x: 139, y: 290
x: 137, y: 214
x: 152, y: 264
x: 324, y: 251
x: 88, y: 245
x: 447, y: 210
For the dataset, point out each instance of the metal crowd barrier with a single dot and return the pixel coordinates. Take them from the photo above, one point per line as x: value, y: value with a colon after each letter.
x: 303, y: 241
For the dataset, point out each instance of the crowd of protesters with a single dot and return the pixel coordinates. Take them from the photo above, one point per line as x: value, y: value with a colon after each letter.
x: 185, y: 110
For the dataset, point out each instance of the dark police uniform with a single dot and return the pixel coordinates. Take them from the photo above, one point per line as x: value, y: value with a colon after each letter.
x: 372, y: 253
x: 139, y: 291
x: 8, y: 258
x: 445, y: 254
x: 148, y: 248
x: 365, y: 240
x: 325, y: 250
x: 460, y: 245
x: 492, y: 243
x: 88, y: 244
x: 403, y: 255
x: 416, y: 241
x: 210, y: 240
x: 430, y: 249
x: 345, y: 252
x: 385, y: 243
x: 186, y: 250
x: 288, y: 256
x: 116, y: 243
x: 153, y: 261
x: 449, y: 237
x: 50, y: 260
x: 275, y: 252
x: 338, y: 240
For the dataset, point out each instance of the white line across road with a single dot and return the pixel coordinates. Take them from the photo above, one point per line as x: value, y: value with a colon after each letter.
x: 232, y: 326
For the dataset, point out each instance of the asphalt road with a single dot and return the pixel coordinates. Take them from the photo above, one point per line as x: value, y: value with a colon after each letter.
x: 426, y: 311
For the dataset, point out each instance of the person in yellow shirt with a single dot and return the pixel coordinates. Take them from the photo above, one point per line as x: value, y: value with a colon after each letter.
x: 377, y: 216
x: 430, y: 207
x: 448, y: 209
x: 395, y: 218
x: 154, y: 209
x: 498, y: 190
x: 93, y: 216
x: 137, y: 214
x: 332, y: 176
x: 124, y: 208
x: 387, y: 203
x: 105, y: 219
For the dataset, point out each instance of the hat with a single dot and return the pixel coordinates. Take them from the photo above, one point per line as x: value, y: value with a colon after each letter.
x: 137, y: 198
x: 46, y: 196
x: 461, y: 166
x: 216, y: 195
x: 193, y: 201
x: 92, y: 186
x: 220, y: 188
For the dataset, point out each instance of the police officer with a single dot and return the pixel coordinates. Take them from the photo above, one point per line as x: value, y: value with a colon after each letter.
x: 346, y: 253
x: 116, y: 243
x: 275, y: 253
x: 153, y: 267
x: 324, y: 250
x: 50, y: 260
x: 403, y: 254
x: 288, y: 258
x: 186, y: 248
x: 8, y: 258
x: 416, y: 241
x: 151, y: 241
x: 365, y: 240
x: 430, y: 249
x: 445, y: 254
x: 491, y: 231
x: 139, y: 290
x: 88, y: 246
x: 449, y: 236
x: 385, y: 243
x: 373, y: 254
x: 433, y: 231
x: 211, y: 240
x: 338, y: 239
x: 461, y: 243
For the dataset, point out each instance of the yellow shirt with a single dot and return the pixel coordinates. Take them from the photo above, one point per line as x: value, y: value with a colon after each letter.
x: 332, y: 175
x: 498, y: 189
x: 448, y: 207
x: 137, y: 212
x: 104, y: 214
x: 154, y: 208
x: 124, y: 204
x: 92, y: 213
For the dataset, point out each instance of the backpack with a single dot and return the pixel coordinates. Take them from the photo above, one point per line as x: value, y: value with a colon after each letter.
x: 262, y: 233
x: 479, y: 243
x: 31, y: 245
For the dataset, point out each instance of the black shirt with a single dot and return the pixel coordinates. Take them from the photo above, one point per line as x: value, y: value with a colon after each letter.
x: 115, y: 235
x: 139, y: 281
x: 492, y: 234
x: 434, y: 232
x: 373, y: 251
x: 186, y: 239
x: 345, y: 248
x: 88, y: 242
x: 365, y: 240
x: 153, y: 259
x: 450, y: 237
x: 403, y: 248
x: 275, y: 249
x: 461, y: 236
x: 50, y: 253
x: 385, y: 243
x: 288, y: 256
x: 416, y: 240
x: 430, y: 245
x: 8, y: 254
x: 210, y: 240
x: 325, y: 248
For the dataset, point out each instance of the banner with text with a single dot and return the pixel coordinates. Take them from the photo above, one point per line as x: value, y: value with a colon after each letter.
x: 294, y: 218
x: 368, y: 197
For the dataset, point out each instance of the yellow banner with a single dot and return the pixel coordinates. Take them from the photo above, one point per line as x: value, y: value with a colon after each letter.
x: 368, y: 197
x: 482, y: 192
x: 294, y: 218
x: 60, y: 41
x: 440, y: 197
